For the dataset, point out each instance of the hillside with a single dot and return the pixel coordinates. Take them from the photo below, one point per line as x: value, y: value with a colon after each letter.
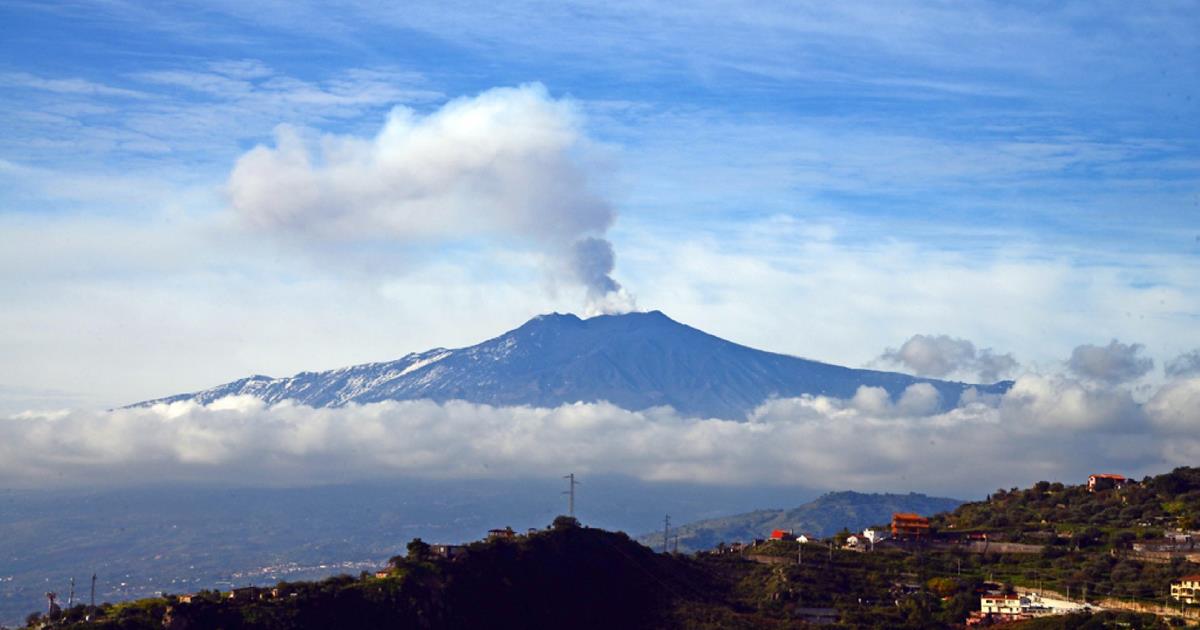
x: 571, y: 576
x: 1149, y: 505
x: 821, y: 517
x: 565, y: 577
x: 635, y: 361
x: 574, y: 577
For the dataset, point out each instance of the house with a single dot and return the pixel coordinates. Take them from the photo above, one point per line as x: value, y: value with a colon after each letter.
x: 874, y: 535
x: 780, y: 534
x: 186, y: 598
x: 501, y: 534
x: 853, y: 540
x: 1000, y: 604
x: 1186, y: 589
x: 1105, y: 481
x: 804, y: 539
x: 383, y: 574
x: 247, y: 593
x: 450, y: 552
x: 906, y: 526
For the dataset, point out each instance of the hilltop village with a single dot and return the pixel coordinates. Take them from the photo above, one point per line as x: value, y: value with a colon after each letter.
x: 1113, y: 552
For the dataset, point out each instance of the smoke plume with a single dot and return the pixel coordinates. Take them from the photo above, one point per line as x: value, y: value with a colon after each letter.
x: 510, y: 166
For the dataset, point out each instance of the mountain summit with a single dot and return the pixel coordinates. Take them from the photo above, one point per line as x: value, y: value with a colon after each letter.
x: 635, y: 361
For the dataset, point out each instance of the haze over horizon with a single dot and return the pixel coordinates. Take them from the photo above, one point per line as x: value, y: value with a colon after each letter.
x: 200, y: 192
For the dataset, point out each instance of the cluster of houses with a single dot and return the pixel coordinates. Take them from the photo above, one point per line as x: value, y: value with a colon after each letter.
x: 905, y: 527
x: 239, y: 594
x: 999, y: 607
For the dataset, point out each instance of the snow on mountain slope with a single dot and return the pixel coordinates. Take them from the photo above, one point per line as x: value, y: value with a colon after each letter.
x: 635, y: 361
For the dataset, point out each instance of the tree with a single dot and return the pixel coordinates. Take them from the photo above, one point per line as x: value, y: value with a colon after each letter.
x: 564, y: 522
x: 418, y: 550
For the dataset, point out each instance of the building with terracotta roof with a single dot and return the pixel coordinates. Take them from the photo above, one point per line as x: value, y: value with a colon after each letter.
x: 1186, y: 589
x: 907, y: 526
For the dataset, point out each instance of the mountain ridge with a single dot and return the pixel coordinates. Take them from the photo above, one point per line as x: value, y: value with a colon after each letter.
x: 821, y: 517
x: 635, y: 361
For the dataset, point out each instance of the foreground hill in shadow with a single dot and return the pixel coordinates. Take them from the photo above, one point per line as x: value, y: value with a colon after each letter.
x: 564, y: 577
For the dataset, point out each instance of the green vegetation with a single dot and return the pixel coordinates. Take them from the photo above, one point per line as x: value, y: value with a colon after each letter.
x: 1086, y: 535
x: 573, y: 576
x: 1087, y: 518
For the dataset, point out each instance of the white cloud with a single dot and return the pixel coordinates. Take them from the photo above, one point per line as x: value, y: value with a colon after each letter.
x: 508, y: 164
x: 943, y: 355
x: 1044, y: 428
x: 1186, y: 364
x: 73, y: 86
x: 1113, y: 364
x: 1176, y: 407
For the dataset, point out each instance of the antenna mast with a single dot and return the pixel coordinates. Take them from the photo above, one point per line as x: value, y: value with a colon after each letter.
x: 666, y: 532
x: 570, y: 494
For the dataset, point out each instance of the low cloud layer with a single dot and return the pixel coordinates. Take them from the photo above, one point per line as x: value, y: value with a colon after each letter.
x: 1051, y: 428
x: 1112, y: 364
x: 1186, y: 364
x: 942, y: 355
x: 509, y: 165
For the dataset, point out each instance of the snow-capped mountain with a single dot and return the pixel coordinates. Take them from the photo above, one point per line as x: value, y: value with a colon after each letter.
x: 636, y: 361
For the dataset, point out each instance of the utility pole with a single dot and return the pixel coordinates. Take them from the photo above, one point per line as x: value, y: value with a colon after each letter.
x: 960, y: 567
x: 571, y: 494
x: 800, y: 553
x: 666, y: 531
x: 71, y: 593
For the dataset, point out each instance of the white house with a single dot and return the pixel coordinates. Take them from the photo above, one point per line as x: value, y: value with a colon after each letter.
x: 1000, y: 604
x: 874, y: 535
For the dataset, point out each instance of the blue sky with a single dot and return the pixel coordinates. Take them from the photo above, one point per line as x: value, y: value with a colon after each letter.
x: 819, y: 180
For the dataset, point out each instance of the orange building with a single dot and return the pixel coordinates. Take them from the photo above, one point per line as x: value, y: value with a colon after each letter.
x: 910, y: 526
x: 780, y: 534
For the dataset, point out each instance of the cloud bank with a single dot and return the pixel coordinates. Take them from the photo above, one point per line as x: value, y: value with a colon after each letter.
x: 1112, y: 364
x: 1051, y: 428
x: 942, y: 355
x: 511, y: 164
